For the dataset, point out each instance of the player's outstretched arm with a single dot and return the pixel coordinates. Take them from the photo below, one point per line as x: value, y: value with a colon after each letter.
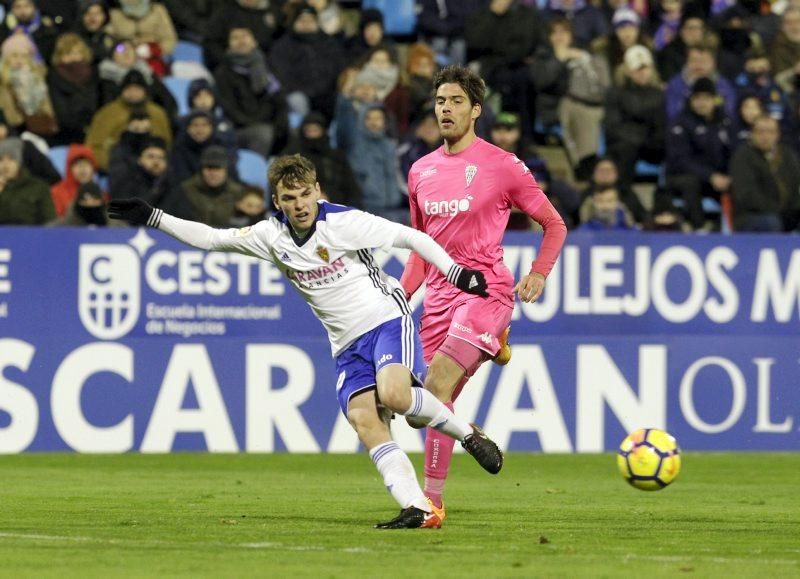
x: 138, y: 212
x: 470, y: 281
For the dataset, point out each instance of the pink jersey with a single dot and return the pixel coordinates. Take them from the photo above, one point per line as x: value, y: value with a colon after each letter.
x: 463, y: 201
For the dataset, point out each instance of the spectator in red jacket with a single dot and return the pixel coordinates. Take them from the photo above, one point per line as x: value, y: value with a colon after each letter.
x: 80, y: 168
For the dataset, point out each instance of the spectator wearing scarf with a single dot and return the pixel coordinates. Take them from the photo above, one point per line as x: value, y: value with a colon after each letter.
x: 23, y: 90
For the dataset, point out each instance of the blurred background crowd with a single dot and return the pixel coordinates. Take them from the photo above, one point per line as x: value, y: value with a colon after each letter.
x: 663, y: 115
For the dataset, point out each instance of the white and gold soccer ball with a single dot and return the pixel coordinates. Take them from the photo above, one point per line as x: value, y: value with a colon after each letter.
x: 649, y: 459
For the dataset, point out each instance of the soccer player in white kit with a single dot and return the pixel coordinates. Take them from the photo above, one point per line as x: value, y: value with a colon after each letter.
x: 324, y: 251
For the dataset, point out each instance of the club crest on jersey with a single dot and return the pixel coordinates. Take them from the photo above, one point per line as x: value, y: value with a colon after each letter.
x: 469, y: 173
x: 323, y: 253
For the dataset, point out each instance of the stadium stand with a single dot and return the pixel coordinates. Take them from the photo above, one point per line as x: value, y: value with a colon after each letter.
x: 179, y: 88
x: 420, y: 35
x: 58, y: 156
x: 400, y: 16
x: 188, y: 51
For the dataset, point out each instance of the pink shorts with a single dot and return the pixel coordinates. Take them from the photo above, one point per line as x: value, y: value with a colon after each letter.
x: 476, y: 321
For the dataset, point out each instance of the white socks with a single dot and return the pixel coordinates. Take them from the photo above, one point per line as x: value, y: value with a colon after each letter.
x: 398, y: 475
x: 438, y: 416
x: 394, y: 465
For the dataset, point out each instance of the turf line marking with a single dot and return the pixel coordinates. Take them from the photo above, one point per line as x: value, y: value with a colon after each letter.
x: 690, y: 558
x: 156, y: 542
x: 36, y: 537
x: 283, y: 547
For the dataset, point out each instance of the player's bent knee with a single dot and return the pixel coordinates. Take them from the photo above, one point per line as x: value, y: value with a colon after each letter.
x: 396, y: 397
x: 394, y: 388
x: 369, y: 426
x: 361, y: 419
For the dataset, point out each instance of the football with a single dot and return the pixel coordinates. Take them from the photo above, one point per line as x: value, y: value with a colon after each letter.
x: 649, y: 459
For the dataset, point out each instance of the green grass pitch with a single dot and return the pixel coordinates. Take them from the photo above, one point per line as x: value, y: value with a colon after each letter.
x: 727, y: 515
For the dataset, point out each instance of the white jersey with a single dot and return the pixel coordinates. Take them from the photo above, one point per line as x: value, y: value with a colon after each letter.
x: 332, y: 268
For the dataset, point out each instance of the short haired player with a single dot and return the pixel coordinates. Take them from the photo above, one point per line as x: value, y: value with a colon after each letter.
x: 461, y: 195
x: 324, y: 251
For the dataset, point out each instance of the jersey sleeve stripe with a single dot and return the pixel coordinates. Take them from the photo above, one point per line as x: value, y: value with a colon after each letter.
x: 374, y: 275
x: 366, y: 258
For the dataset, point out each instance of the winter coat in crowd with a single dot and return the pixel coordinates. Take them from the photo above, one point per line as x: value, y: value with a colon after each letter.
x: 245, y: 105
x: 150, y: 23
x: 261, y: 20
x: 111, y: 121
x: 111, y: 75
x: 65, y: 191
x: 26, y: 200
x: 159, y: 191
x: 191, y: 17
x: 501, y: 40
x: 764, y: 184
x: 697, y: 146
x: 309, y: 63
x: 444, y: 18
x: 214, y: 206
x: 784, y: 54
x: 186, y: 152
x: 373, y: 157
x: 634, y: 113
x: 75, y: 99
x: 679, y: 87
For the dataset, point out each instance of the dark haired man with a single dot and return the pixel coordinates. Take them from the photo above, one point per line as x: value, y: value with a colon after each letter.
x: 765, y: 181
x: 150, y: 179
x: 462, y: 195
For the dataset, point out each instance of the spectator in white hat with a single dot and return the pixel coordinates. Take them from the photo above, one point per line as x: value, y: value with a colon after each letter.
x: 634, y: 115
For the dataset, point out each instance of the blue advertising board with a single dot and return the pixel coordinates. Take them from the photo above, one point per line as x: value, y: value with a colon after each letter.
x: 126, y: 340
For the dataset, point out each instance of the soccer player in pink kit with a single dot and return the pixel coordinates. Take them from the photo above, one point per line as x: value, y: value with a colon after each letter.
x: 461, y: 195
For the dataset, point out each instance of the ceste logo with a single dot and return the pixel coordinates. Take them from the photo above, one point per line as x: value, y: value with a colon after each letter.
x: 449, y: 208
x: 108, y: 289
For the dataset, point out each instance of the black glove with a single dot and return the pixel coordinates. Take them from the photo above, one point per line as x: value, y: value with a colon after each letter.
x: 134, y: 211
x: 471, y: 281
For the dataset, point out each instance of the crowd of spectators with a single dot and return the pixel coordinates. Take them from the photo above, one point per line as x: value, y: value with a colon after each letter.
x: 699, y: 99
